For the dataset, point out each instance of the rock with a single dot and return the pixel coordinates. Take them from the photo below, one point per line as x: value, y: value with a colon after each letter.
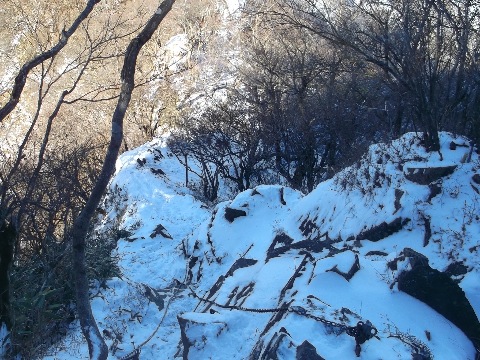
x: 426, y: 175
x: 440, y: 292
x: 415, y: 257
x: 476, y: 179
x: 456, y: 269
x: 195, y: 334
x: 376, y: 253
x: 383, y: 230
x: 283, y: 243
x: 183, y: 335
x: 271, y: 351
x: 428, y: 230
x: 298, y: 273
x: 160, y: 230
x: 307, y: 351
x: 239, y: 264
x: 398, y: 196
x: 282, y: 198
x: 232, y: 214
x: 154, y: 296
x: 435, y: 189
x: 353, y: 269
x: 122, y: 234
x: 307, y: 227
x: 157, y: 171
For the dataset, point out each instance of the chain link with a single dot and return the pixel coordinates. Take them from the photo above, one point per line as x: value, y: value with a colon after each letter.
x: 362, y: 332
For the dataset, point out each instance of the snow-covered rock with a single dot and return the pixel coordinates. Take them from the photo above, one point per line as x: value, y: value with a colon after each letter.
x: 276, y: 274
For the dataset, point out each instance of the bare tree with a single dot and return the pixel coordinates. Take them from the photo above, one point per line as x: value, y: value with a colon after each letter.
x: 423, y: 47
x: 96, y: 344
x: 21, y: 77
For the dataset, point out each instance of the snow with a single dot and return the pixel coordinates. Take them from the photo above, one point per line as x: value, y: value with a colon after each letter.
x: 199, y: 260
x: 233, y: 6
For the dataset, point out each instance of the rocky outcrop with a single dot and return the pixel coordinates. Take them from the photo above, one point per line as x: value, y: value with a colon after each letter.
x: 427, y: 175
x: 475, y: 183
x: 160, y: 230
x: 270, y: 352
x: 383, y: 230
x: 440, y: 292
x: 398, y: 196
x: 353, y: 269
x: 307, y: 351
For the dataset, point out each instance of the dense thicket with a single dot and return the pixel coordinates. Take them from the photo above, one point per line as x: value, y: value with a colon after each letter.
x: 317, y: 81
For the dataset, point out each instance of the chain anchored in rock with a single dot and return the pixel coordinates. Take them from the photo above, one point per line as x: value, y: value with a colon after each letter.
x: 362, y: 332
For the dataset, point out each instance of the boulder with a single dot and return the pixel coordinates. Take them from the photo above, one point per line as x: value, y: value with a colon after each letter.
x: 440, y: 292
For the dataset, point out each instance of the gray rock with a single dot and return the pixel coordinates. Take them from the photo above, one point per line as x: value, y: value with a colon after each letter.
x: 440, y: 292
x: 307, y: 351
x: 232, y: 214
x: 427, y: 175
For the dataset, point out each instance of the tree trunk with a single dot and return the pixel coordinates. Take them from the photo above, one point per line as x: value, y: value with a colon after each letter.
x: 7, y: 240
x: 96, y: 344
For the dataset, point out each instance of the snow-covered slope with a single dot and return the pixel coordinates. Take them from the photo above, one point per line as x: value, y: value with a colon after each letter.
x: 274, y: 274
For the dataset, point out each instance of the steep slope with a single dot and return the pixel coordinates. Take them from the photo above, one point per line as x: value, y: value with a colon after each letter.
x: 273, y: 274
x: 338, y: 253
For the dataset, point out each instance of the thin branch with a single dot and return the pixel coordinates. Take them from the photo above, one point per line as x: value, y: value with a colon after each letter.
x: 21, y: 78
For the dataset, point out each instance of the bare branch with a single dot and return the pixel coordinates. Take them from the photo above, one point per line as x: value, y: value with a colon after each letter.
x: 21, y: 78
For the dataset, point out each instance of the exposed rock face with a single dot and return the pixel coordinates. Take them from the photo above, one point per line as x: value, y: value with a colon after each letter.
x: 440, y: 292
x: 456, y: 269
x: 307, y: 351
x: 476, y: 179
x: 283, y: 243
x: 353, y: 269
x: 398, y: 196
x: 184, y: 338
x: 383, y: 230
x: 435, y: 189
x: 194, y: 335
x: 232, y: 214
x: 160, y: 230
x: 272, y: 350
x: 239, y: 264
x: 475, y: 183
x: 426, y: 175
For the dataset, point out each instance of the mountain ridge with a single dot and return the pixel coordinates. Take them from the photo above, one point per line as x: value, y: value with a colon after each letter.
x: 337, y: 253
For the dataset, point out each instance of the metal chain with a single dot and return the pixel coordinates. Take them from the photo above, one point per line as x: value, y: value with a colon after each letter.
x: 353, y: 331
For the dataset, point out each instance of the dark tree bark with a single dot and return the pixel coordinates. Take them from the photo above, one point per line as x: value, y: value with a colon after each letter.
x: 96, y: 344
x: 21, y: 77
x: 7, y: 239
